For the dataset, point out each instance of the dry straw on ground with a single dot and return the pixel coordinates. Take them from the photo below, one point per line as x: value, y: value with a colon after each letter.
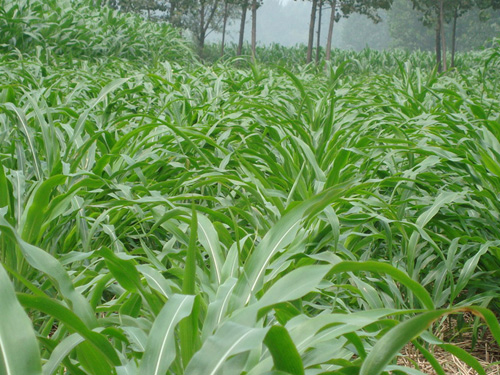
x: 486, y: 350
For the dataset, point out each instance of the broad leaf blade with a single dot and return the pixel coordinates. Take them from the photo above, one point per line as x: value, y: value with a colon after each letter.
x: 49, y: 265
x: 160, y: 347
x: 230, y: 339
x: 285, y: 355
x: 56, y: 310
x: 209, y: 238
x: 19, y: 353
x: 392, y: 342
x: 378, y: 267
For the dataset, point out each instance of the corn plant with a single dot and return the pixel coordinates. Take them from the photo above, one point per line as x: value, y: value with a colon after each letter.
x: 166, y: 219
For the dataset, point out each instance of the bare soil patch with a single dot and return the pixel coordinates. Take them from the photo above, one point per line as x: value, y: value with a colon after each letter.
x: 485, y: 349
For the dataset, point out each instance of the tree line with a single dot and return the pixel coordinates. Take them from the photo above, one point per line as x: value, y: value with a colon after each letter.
x: 200, y: 17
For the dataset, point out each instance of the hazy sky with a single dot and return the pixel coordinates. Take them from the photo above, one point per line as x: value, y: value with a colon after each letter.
x: 278, y: 21
x: 287, y: 22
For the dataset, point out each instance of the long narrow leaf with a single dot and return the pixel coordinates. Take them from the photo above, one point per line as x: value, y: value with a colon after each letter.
x: 47, y: 264
x: 285, y: 355
x: 230, y: 339
x: 19, y: 353
x: 160, y: 347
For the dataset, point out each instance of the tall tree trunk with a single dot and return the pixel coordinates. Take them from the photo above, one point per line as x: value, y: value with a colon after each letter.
x: 330, y: 31
x: 224, y: 29
x: 454, y: 37
x: 443, y: 37
x: 201, y: 34
x: 205, y: 23
x: 438, y: 45
x: 242, y: 27
x: 171, y: 13
x: 311, y: 31
x: 318, y: 40
x: 254, y: 29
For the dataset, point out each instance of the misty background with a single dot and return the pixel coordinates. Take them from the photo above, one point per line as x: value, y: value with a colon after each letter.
x: 286, y: 22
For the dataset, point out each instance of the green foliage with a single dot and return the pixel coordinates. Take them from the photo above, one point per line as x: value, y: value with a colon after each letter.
x: 475, y: 29
x: 70, y: 30
x: 18, y: 346
x: 245, y: 219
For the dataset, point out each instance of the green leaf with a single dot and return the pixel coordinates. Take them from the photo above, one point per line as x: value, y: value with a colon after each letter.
x: 92, y: 360
x: 5, y: 193
x: 488, y: 316
x: 7, y: 255
x: 19, y: 353
x: 392, y: 342
x: 25, y: 129
x: 305, y: 331
x: 209, y: 238
x: 189, y: 280
x: 73, y: 322
x: 465, y: 357
x: 155, y: 280
x: 304, y: 280
x: 228, y: 340
x: 443, y: 199
x: 61, y: 351
x: 188, y: 327
x: 123, y: 270
x: 83, y: 117
x: 48, y: 133
x: 217, y: 308
x: 429, y: 357
x: 285, y: 355
x: 33, y: 217
x: 378, y: 267
x: 47, y: 264
x: 160, y: 347
x: 490, y: 164
x: 280, y: 235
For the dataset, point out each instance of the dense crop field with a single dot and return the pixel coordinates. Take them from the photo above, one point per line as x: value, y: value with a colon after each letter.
x: 172, y: 218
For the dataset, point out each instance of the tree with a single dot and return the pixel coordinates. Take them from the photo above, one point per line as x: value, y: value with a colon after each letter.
x: 172, y: 11
x: 334, y: 17
x: 137, y: 6
x: 255, y: 6
x: 406, y: 28
x: 475, y: 28
x: 311, y: 31
x: 177, y: 12
x: 360, y: 32
x: 318, y: 36
x: 254, y: 29
x: 437, y: 12
x: 344, y: 8
x: 244, y: 7
x: 226, y: 14
x: 463, y: 6
x: 229, y: 12
x: 433, y: 13
x: 459, y: 8
x: 206, y: 13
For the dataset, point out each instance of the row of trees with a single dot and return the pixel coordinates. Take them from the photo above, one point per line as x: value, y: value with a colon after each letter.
x: 204, y: 16
x: 200, y: 17
x: 433, y: 13
x: 339, y: 9
x: 438, y: 12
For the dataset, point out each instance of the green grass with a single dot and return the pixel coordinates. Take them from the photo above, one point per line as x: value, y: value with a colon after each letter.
x: 184, y: 219
x: 57, y: 31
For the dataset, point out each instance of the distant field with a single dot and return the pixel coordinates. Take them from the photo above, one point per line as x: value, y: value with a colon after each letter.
x: 159, y: 216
